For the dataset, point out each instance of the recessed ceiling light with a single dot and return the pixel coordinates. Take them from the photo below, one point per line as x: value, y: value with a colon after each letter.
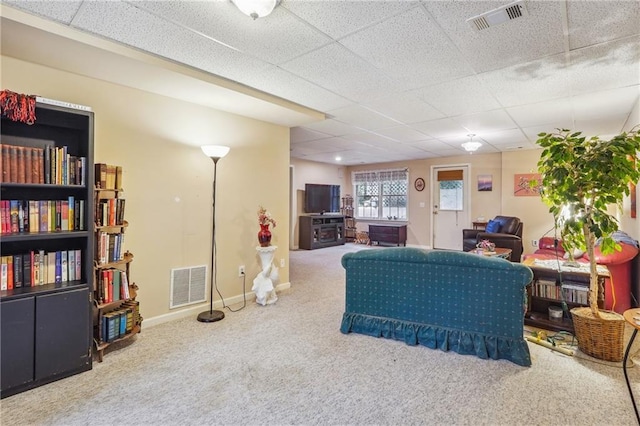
x: 338, y: 158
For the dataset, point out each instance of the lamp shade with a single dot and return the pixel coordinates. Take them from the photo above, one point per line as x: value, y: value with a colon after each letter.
x: 256, y: 8
x: 215, y: 151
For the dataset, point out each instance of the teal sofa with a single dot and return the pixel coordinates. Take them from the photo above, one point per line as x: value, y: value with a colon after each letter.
x: 457, y: 301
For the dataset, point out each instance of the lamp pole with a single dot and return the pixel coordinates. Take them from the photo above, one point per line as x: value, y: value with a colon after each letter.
x: 213, y: 315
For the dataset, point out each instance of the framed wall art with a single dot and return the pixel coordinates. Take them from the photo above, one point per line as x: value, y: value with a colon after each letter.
x: 522, y: 187
x: 485, y: 182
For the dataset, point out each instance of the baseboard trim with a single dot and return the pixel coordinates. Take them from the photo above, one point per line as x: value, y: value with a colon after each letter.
x: 195, y: 310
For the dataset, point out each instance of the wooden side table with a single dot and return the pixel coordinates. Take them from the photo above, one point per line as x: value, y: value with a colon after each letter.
x: 630, y: 316
x: 481, y: 225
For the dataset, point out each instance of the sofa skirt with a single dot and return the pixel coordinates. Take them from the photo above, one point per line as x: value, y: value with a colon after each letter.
x: 434, y: 337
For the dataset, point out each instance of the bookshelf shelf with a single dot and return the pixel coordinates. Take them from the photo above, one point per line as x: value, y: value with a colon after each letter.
x: 569, y: 283
x: 33, y: 236
x: 116, y: 313
x: 45, y: 301
x: 128, y: 257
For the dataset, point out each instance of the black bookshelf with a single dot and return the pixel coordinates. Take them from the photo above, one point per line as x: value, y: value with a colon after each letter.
x: 46, y: 328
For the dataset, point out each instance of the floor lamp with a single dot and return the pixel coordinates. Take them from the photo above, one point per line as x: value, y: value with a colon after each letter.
x: 215, y: 152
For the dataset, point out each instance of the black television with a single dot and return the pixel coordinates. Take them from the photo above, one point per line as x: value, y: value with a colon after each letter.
x: 321, y: 199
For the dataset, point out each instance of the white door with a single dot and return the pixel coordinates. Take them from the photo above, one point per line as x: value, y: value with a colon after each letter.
x: 450, y: 205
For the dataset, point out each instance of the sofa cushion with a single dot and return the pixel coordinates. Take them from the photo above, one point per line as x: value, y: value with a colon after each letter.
x: 493, y: 226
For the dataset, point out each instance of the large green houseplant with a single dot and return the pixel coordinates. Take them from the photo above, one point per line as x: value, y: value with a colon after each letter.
x: 581, y: 178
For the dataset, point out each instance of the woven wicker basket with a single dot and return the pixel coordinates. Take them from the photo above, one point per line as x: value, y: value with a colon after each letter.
x: 601, y: 338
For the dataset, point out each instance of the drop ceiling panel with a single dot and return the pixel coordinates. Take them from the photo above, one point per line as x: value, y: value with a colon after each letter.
x: 288, y: 86
x: 359, y: 116
x: 333, y: 127
x: 529, y: 82
x: 457, y: 97
x: 369, y: 138
x: 442, y: 128
x: 404, y: 107
x: 532, y: 132
x: 278, y: 39
x: 524, y: 39
x: 605, y: 66
x: 604, y: 104
x: 403, y: 134
x: 62, y: 11
x: 339, y: 18
x: 411, y: 47
x: 340, y: 71
x: 300, y: 134
x: 433, y: 145
x: 592, y: 22
x: 513, y: 137
x: 486, y: 121
x: 542, y: 112
x: 603, y: 127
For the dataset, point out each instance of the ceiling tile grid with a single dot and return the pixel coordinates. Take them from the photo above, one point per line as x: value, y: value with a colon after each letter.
x: 398, y: 79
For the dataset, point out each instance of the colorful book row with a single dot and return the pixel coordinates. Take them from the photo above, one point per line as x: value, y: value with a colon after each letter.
x: 39, y: 267
x: 41, y: 215
x: 112, y: 285
x: 109, y: 248
x: 48, y: 165
x: 118, y: 323
x: 110, y: 212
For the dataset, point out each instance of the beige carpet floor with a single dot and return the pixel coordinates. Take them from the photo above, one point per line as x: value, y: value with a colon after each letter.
x: 288, y: 364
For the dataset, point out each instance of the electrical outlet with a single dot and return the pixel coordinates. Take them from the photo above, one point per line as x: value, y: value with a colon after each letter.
x: 241, y: 271
x: 282, y: 263
x: 534, y: 243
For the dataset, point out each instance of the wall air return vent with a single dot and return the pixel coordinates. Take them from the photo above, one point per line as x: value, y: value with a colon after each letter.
x: 498, y: 16
x: 188, y: 285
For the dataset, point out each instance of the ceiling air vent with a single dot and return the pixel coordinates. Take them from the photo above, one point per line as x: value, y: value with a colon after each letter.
x: 498, y: 16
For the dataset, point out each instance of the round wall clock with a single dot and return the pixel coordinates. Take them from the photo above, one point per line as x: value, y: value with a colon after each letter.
x: 419, y: 184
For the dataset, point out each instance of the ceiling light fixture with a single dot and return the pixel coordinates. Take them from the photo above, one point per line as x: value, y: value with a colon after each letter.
x: 471, y: 145
x: 256, y: 8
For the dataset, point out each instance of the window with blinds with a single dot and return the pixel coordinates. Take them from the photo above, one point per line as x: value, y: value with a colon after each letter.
x: 381, y: 194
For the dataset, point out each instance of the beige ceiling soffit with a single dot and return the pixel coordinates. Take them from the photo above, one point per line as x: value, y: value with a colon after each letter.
x: 32, y: 39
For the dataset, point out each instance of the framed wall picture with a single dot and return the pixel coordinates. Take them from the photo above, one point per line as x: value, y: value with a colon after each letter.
x: 485, y: 182
x: 522, y: 185
x: 419, y: 184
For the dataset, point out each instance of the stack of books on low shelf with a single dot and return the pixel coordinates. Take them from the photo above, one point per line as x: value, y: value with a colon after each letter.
x: 119, y: 322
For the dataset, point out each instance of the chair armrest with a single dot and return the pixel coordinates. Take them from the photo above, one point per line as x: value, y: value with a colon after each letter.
x: 491, y: 236
x: 470, y: 233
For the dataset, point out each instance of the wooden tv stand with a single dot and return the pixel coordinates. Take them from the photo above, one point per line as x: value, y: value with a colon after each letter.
x: 319, y: 231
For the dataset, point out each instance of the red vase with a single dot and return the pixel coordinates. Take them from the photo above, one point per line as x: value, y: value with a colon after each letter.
x: 264, y: 236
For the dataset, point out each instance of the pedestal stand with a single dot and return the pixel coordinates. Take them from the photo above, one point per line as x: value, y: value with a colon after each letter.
x: 263, y: 283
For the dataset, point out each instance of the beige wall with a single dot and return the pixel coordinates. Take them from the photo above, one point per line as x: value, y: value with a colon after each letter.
x: 485, y: 204
x: 168, y: 180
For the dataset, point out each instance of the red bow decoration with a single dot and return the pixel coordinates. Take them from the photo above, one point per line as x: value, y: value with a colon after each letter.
x: 18, y: 107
